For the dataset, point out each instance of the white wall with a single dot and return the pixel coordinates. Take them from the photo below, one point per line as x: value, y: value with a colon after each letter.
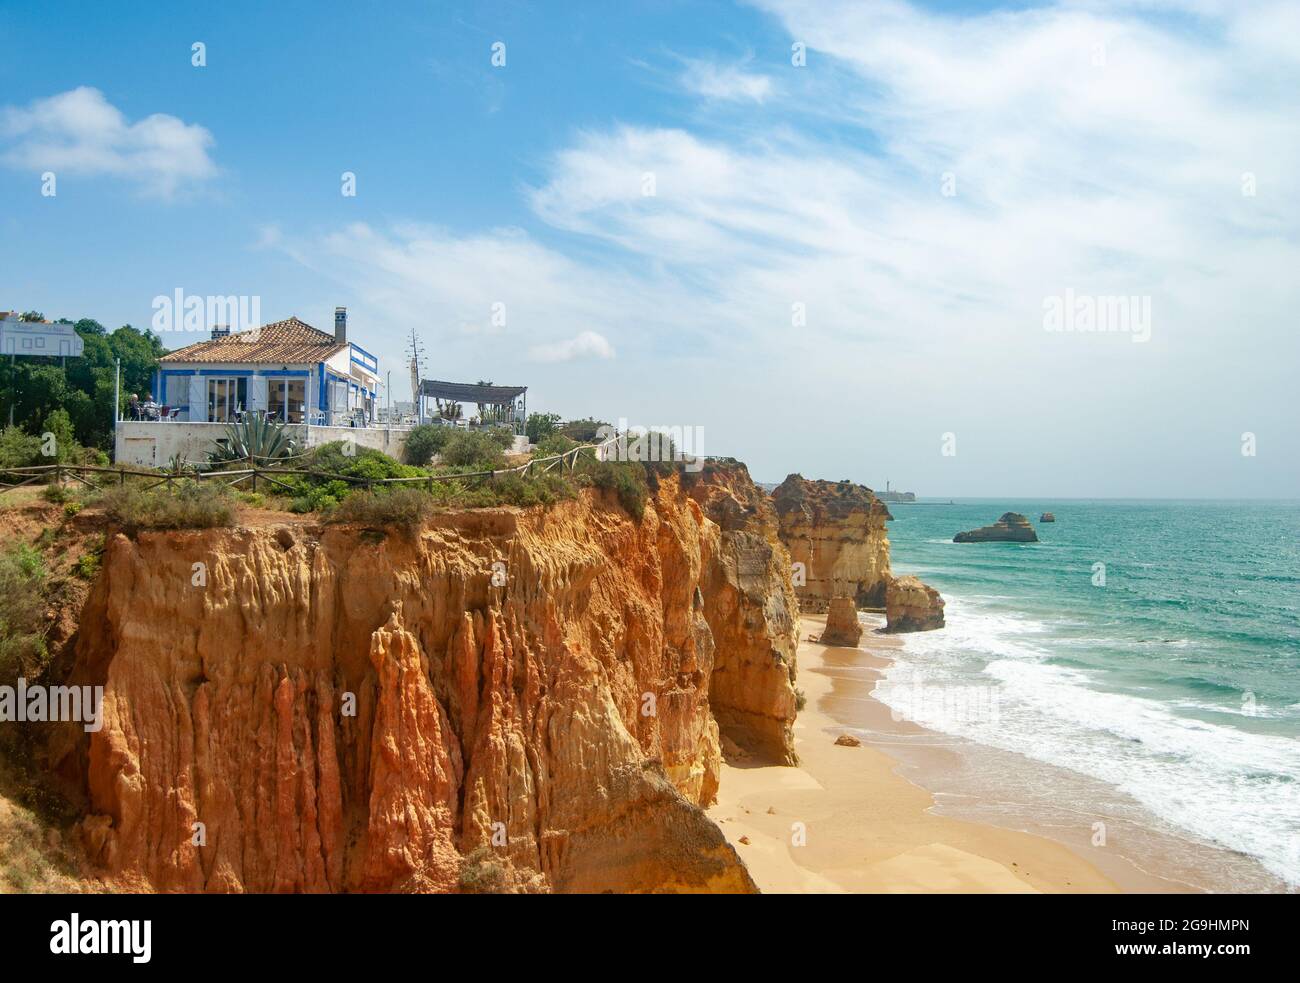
x: 153, y: 444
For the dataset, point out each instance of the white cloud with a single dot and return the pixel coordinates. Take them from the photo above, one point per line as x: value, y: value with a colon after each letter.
x: 923, y: 312
x: 80, y: 132
x: 584, y: 345
x: 729, y: 83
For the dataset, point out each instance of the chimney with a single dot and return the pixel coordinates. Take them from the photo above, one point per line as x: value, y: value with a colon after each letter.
x: 220, y: 331
x: 340, y: 324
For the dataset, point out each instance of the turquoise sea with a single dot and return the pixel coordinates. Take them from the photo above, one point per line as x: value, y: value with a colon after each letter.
x: 1172, y: 673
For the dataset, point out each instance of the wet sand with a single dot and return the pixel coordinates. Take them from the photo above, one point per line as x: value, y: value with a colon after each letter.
x: 847, y: 820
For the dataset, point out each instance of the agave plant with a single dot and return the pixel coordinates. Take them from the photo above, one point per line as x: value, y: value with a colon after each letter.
x: 258, y: 437
x: 451, y: 411
x: 177, y: 464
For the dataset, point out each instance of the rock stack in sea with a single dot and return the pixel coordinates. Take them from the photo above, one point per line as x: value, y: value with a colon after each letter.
x: 835, y: 533
x: 912, y: 606
x: 842, y: 625
x: 1011, y: 528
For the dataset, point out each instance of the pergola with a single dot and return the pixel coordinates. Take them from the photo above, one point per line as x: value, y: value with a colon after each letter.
x: 513, y: 399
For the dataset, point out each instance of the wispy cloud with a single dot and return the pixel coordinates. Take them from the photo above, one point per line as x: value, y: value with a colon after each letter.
x: 81, y: 132
x: 1000, y: 159
x: 584, y: 345
x: 726, y: 82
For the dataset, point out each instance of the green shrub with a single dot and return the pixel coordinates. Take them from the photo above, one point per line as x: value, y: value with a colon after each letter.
x: 19, y: 449
x: 627, y: 479
x: 363, y: 462
x: 190, y: 506
x: 424, y: 441
x: 88, y: 566
x: 319, y: 498
x: 482, y: 873
x: 71, y: 508
x: 475, y: 450
x: 542, y: 489
x: 59, y: 424
x: 554, y: 444
x: 540, y: 426
x: 502, y: 436
x: 583, y: 431
x: 401, y: 507
x: 23, y: 581
x: 56, y: 494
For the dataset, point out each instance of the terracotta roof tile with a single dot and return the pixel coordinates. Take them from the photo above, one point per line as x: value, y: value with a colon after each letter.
x: 284, y: 342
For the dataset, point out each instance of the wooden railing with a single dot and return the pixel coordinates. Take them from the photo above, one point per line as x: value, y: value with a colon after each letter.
x: 11, y: 478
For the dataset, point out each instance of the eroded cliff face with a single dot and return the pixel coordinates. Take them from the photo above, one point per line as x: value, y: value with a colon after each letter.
x: 837, y: 531
x: 341, y: 709
x: 752, y: 612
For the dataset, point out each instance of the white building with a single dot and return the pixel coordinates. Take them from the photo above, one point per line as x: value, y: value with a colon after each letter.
x: 38, y: 338
x: 322, y: 384
x: 288, y: 370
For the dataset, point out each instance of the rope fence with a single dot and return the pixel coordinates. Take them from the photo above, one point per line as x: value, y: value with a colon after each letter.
x: 11, y: 478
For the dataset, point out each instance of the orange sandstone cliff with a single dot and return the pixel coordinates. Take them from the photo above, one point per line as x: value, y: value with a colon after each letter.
x: 503, y: 699
x: 752, y: 611
x: 836, y: 530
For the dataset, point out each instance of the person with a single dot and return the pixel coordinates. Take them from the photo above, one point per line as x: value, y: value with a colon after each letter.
x: 133, y: 407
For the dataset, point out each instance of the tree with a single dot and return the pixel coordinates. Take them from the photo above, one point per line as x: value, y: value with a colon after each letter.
x: 37, y: 385
x: 59, y: 424
x: 540, y: 426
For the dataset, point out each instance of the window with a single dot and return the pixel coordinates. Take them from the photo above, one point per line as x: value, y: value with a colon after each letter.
x: 286, y: 399
x: 226, y: 397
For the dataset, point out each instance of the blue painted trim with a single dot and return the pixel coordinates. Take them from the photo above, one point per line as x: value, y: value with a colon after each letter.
x: 281, y: 373
x: 372, y: 364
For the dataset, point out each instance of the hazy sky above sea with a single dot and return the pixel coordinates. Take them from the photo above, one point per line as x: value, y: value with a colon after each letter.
x: 843, y: 267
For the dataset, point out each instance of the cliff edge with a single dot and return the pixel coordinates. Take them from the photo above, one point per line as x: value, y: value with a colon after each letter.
x: 500, y: 699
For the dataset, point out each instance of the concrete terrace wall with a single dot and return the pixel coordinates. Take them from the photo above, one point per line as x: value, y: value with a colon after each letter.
x: 153, y: 444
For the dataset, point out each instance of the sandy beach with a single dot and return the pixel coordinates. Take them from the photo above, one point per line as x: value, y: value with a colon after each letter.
x: 846, y: 821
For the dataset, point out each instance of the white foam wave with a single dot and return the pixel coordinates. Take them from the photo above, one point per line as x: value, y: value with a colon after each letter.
x: 985, y: 678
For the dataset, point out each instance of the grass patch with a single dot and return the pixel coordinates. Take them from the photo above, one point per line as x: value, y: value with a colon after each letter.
x: 190, y: 506
x: 401, y: 507
x: 23, y: 582
x: 482, y: 873
x: 626, y: 479
x: 475, y: 450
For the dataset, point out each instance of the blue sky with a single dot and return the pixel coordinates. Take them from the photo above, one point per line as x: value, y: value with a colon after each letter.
x: 841, y: 263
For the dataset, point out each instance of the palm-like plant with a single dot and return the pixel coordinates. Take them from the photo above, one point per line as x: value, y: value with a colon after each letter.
x: 177, y: 464
x: 450, y: 411
x: 257, y: 437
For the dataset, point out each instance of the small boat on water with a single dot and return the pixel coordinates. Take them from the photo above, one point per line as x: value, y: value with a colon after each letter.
x: 1047, y: 517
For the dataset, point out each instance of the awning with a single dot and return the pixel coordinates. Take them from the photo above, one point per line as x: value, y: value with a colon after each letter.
x: 465, y: 392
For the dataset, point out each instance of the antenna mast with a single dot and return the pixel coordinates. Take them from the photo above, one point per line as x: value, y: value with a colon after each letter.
x: 416, y: 363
